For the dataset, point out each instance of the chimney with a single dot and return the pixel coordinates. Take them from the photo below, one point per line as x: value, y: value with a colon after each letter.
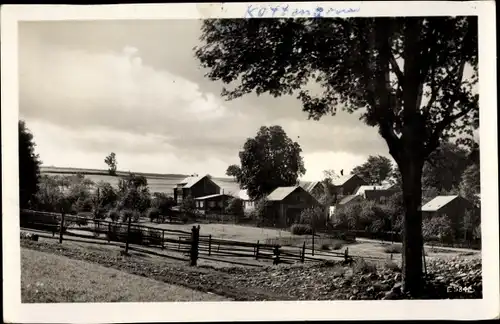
x: 342, y: 172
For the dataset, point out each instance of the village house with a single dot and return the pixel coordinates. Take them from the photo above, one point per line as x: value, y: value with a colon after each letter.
x: 195, y: 187
x: 453, y: 206
x: 215, y: 203
x: 376, y: 193
x: 285, y: 204
x: 248, y: 204
x: 347, y: 185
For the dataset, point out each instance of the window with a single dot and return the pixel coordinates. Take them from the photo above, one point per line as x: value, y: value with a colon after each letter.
x: 202, y: 204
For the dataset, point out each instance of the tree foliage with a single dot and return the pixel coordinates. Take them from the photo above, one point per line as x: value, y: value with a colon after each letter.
x: 375, y: 170
x: 235, y: 206
x: 443, y: 170
x: 163, y: 202
x: 133, y: 193
x: 413, y: 78
x: 29, y: 166
x: 233, y: 171
x: 269, y: 160
x: 110, y: 160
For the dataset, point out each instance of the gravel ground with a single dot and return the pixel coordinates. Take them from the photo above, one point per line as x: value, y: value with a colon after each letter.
x: 458, y: 277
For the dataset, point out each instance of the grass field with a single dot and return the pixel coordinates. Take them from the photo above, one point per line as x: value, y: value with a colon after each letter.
x: 48, y: 278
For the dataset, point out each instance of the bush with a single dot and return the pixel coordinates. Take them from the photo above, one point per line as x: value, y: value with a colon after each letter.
x: 301, y: 229
x: 127, y: 213
x: 114, y: 215
x: 363, y: 267
x: 313, y: 216
x: 325, y: 247
x: 391, y: 265
x: 393, y: 249
x: 153, y: 214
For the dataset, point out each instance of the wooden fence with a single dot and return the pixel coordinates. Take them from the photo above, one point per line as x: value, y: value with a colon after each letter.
x: 189, y: 243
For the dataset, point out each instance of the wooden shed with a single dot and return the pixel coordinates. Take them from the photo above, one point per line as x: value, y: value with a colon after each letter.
x: 453, y: 206
x: 285, y: 204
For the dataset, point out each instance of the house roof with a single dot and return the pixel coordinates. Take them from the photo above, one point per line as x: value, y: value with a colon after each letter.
x: 377, y: 194
x: 361, y: 190
x: 342, y: 179
x: 347, y: 199
x: 438, y: 202
x: 309, y: 185
x: 281, y: 193
x: 191, y: 181
x: 211, y: 196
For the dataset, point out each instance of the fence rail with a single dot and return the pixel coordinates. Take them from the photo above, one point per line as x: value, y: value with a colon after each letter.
x: 191, y: 243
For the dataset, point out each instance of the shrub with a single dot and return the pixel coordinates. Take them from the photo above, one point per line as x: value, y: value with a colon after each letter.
x: 235, y: 207
x: 153, y: 214
x: 325, y: 247
x: 114, y: 215
x: 313, y: 216
x: 393, y: 249
x: 391, y: 265
x: 301, y: 229
x: 363, y: 267
x: 127, y: 213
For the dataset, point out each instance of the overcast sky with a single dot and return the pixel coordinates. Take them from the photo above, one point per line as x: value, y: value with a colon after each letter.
x: 136, y: 89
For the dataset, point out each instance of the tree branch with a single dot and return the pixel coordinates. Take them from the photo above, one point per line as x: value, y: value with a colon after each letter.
x: 396, y: 69
x: 433, y: 142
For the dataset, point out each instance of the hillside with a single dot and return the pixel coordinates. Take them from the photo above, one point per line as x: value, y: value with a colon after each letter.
x: 157, y: 182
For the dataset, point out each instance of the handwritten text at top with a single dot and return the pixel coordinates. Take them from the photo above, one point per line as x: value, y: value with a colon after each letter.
x: 287, y: 10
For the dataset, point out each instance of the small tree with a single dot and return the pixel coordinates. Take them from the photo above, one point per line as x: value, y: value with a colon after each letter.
x: 375, y: 170
x: 260, y: 212
x: 235, y: 207
x: 188, y: 206
x: 163, y: 203
x: 110, y: 160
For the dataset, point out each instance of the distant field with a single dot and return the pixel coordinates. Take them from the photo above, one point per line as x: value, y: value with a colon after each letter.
x: 157, y: 182
x: 49, y: 278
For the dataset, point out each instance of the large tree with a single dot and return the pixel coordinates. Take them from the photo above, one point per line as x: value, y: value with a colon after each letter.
x: 444, y: 167
x: 405, y: 75
x: 375, y: 170
x: 29, y: 166
x: 269, y: 160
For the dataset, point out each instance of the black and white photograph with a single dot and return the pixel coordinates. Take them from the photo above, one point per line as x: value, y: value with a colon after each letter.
x: 250, y: 153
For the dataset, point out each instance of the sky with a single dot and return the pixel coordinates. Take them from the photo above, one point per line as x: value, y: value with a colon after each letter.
x: 135, y: 88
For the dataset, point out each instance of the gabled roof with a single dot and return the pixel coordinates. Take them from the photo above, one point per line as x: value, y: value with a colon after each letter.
x: 281, y: 193
x: 309, y: 185
x: 191, y: 181
x: 340, y: 181
x: 438, y: 202
x: 347, y: 199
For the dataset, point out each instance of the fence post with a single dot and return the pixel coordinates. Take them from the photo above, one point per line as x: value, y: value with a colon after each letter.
x: 61, y: 228
x: 346, y: 255
x: 257, y: 251
x: 210, y: 245
x: 423, y: 256
x: 109, y: 232
x: 303, y: 254
x: 195, y: 237
x: 313, y: 243
x: 276, y: 254
x: 162, y: 239
x: 128, y: 233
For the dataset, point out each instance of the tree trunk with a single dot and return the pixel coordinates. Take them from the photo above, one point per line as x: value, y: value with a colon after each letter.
x: 411, y: 172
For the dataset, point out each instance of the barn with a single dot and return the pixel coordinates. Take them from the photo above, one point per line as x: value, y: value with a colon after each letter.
x: 285, y: 204
x: 195, y: 187
x: 453, y: 206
